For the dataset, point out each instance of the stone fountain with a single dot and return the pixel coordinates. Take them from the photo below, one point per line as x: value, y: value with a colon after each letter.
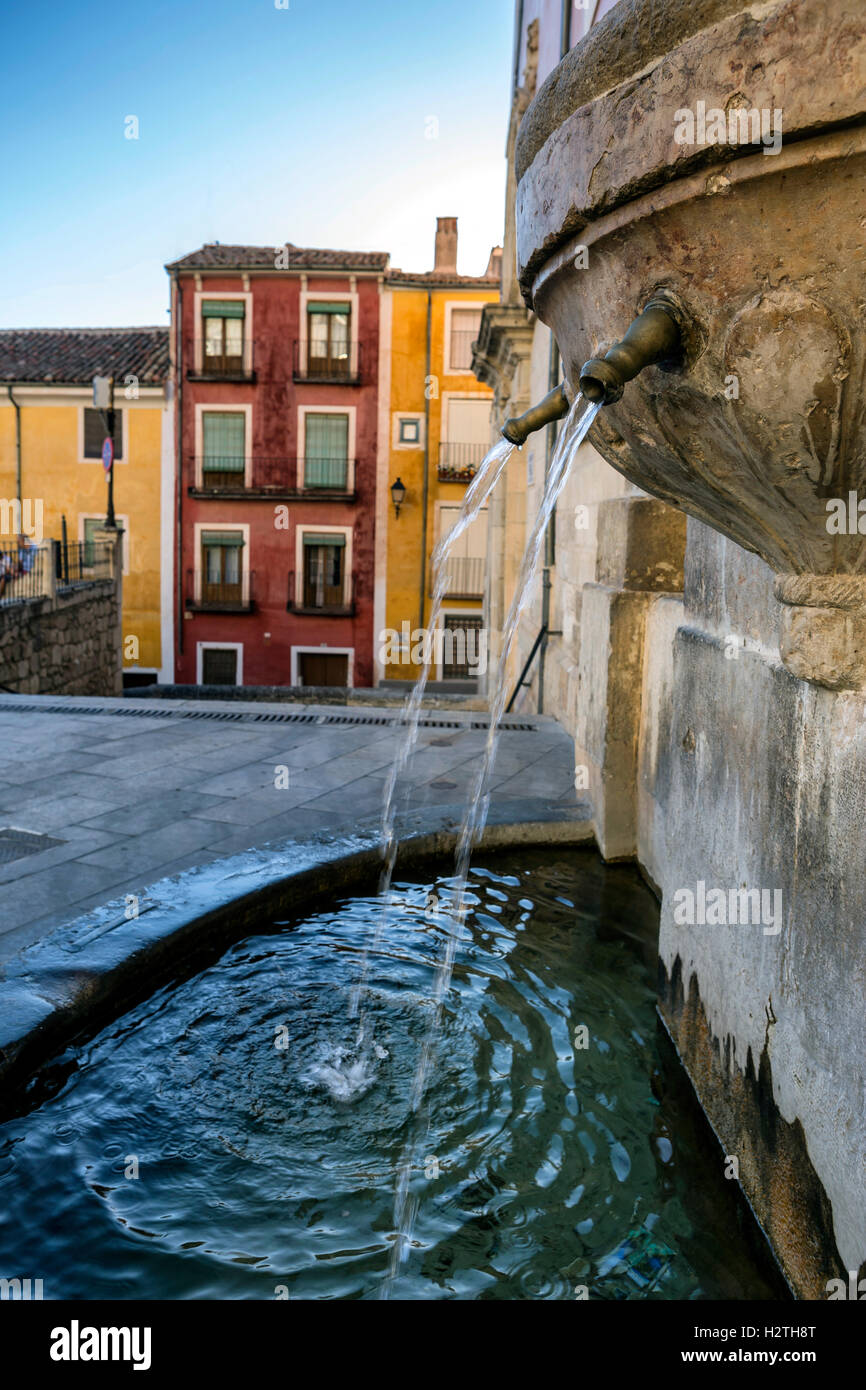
x: 759, y: 427
x: 691, y: 218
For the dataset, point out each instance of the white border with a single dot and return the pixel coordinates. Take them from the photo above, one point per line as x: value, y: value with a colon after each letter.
x: 303, y: 412
x: 198, y: 325
x: 383, y: 469
x: 322, y: 650
x: 168, y: 558
x: 395, y: 430
x: 219, y: 408
x: 299, y: 556
x: 222, y: 647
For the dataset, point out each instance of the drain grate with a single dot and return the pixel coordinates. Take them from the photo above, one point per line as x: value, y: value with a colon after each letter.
x: 231, y: 716
x: 18, y: 844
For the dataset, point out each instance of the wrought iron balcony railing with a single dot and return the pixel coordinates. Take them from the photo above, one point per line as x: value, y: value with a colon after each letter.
x: 336, y: 365
x: 458, y: 462
x: 209, y: 361
x: 220, y: 597
x: 273, y: 474
x: 324, y: 603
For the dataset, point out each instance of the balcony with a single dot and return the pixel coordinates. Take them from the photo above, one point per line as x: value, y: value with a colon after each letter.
x: 332, y: 366
x: 458, y: 462
x: 217, y: 365
x: 273, y: 476
x: 203, y: 597
x: 465, y: 575
x: 304, y: 603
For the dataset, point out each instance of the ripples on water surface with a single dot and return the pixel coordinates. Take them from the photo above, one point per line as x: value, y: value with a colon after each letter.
x: 266, y: 1141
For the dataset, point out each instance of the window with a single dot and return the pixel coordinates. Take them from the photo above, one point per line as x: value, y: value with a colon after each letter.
x: 467, y: 437
x: 92, y: 524
x: 223, y: 444
x: 95, y: 432
x: 221, y: 568
x: 324, y: 570
x: 465, y: 324
x: 326, y: 451
x: 461, y: 648
x: 219, y: 666
x: 87, y: 528
x: 328, y: 340
x: 223, y: 332
x: 410, y: 431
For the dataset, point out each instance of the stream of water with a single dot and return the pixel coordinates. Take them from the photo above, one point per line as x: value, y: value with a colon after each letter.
x: 348, y: 1073
x: 571, y: 436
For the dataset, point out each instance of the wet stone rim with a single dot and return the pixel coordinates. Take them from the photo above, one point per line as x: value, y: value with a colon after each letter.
x: 70, y: 984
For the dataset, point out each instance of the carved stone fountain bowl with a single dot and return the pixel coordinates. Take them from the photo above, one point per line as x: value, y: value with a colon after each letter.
x: 760, y: 430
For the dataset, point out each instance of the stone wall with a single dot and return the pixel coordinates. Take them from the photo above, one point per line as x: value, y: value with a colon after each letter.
x: 69, y: 644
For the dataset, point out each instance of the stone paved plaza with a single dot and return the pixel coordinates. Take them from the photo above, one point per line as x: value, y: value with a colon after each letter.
x: 129, y: 792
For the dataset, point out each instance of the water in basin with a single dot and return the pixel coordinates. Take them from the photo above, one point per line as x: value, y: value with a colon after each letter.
x: 228, y: 1139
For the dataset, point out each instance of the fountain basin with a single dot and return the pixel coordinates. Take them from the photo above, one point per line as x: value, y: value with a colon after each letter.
x: 761, y: 431
x: 228, y: 1138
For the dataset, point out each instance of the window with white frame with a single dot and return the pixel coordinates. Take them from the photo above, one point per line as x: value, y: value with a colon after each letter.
x: 465, y: 326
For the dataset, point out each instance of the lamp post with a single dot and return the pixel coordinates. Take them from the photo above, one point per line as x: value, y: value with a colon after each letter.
x: 103, y: 401
x: 398, y: 492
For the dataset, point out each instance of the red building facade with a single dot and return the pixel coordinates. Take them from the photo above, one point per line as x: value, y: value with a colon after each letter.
x: 276, y: 362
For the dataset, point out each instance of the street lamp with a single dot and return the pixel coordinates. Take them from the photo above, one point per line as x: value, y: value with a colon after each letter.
x: 103, y: 401
x: 398, y: 492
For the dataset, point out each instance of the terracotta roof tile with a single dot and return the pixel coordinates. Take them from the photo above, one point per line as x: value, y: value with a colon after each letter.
x: 215, y: 255
x: 76, y: 355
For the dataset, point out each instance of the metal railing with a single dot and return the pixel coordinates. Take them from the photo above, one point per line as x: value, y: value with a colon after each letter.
x: 274, y: 473
x: 338, y: 365
x: 465, y: 575
x: 23, y: 571
x: 220, y: 597
x: 218, y: 364
x: 83, y: 562
x: 39, y: 570
x: 304, y: 602
x: 458, y: 461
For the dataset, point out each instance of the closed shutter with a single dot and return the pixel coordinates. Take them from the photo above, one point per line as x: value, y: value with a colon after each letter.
x: 223, y: 309
x: 223, y: 442
x: 326, y: 451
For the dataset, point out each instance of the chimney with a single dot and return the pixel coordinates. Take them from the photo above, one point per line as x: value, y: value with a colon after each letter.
x: 445, y: 258
x: 494, y: 265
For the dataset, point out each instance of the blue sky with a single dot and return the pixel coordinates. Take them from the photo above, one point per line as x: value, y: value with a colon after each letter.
x: 309, y: 124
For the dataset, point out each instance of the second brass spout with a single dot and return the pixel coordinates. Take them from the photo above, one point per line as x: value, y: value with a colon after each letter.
x: 654, y: 336
x: 555, y: 404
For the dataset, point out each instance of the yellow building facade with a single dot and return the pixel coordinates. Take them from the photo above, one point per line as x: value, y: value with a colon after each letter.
x: 438, y: 430
x: 50, y: 463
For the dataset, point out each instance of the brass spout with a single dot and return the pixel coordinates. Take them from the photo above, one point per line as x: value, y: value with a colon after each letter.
x: 654, y: 336
x: 555, y: 404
